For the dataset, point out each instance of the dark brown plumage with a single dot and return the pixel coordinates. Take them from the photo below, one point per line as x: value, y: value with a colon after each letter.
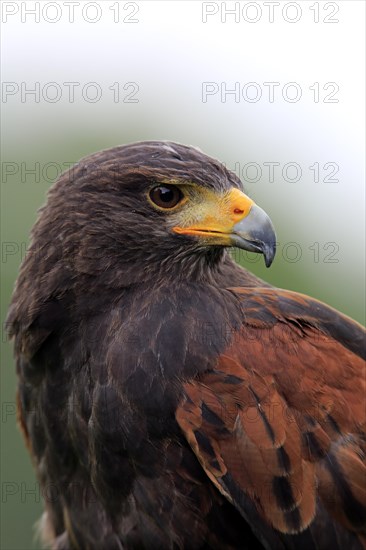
x: 169, y: 398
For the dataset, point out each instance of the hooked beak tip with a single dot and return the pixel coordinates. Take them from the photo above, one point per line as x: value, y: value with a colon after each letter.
x: 269, y: 252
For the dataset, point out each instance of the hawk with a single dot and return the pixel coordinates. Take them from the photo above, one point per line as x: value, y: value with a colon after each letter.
x: 169, y: 398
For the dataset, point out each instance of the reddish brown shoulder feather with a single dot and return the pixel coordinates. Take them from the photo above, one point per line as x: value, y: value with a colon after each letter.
x: 280, y: 421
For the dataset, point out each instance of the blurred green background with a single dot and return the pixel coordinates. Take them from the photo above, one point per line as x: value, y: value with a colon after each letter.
x: 169, y: 52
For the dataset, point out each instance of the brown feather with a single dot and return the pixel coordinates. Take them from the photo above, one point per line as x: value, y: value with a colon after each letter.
x: 288, y: 407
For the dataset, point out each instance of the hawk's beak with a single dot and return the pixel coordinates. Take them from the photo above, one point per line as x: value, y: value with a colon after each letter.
x: 256, y: 233
x: 232, y: 220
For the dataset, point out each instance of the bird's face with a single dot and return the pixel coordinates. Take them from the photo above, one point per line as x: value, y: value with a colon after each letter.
x: 214, y: 218
x: 132, y: 211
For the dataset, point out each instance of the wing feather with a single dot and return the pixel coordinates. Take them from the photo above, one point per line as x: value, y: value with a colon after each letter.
x: 279, y: 424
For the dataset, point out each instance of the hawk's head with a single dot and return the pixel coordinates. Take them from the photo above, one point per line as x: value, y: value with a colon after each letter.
x: 133, y: 212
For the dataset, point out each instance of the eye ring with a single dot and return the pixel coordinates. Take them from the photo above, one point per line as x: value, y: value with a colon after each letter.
x: 166, y: 197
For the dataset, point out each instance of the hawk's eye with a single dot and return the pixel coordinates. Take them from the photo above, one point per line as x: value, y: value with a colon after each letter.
x: 166, y: 196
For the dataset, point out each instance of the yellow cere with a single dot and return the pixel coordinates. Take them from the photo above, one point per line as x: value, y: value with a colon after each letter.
x: 214, y: 215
